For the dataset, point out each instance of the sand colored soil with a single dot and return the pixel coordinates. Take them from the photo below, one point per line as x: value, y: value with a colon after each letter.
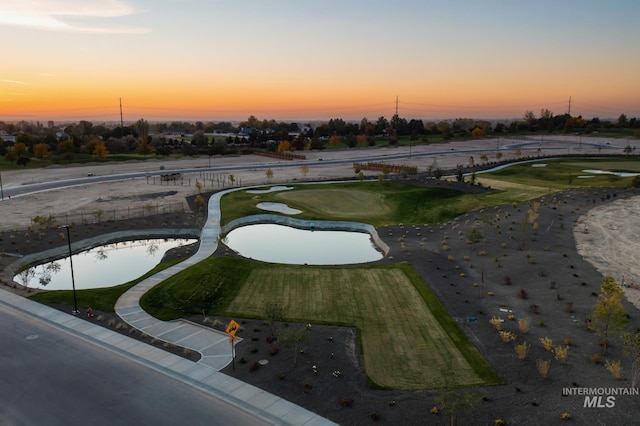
x: 607, y: 237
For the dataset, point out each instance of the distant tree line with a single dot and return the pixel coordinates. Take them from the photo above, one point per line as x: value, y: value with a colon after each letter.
x: 37, y: 140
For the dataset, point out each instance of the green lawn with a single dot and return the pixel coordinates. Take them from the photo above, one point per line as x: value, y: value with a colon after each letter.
x: 407, y: 338
x: 375, y: 203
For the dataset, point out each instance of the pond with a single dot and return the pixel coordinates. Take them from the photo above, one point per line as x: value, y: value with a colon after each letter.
x: 284, y: 244
x: 103, y: 266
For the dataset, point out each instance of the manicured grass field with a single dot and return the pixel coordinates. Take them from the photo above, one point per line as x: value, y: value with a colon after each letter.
x: 562, y: 173
x: 405, y: 344
x: 374, y: 203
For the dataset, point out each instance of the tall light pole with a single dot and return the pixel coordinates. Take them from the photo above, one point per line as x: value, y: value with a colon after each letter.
x: 1, y: 190
x: 73, y: 281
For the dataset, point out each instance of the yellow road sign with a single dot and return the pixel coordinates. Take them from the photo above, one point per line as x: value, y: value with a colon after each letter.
x: 232, y: 328
x: 232, y: 339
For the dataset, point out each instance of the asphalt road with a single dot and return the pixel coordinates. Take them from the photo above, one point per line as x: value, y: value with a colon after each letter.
x: 49, y: 377
x: 35, y: 180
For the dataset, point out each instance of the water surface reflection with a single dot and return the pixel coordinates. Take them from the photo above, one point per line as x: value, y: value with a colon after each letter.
x: 103, y: 266
x: 284, y: 244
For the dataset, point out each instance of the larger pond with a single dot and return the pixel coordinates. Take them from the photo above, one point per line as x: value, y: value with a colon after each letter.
x: 103, y: 266
x: 284, y: 244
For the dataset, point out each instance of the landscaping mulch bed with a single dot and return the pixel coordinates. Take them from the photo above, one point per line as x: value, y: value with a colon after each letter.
x: 475, y: 284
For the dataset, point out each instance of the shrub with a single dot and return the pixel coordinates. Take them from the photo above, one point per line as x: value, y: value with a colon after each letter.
x: 522, y: 294
x: 523, y: 325
x: 254, y: 366
x: 547, y: 343
x: 522, y: 350
x: 543, y: 367
x: 499, y: 422
x: 565, y: 416
x: 507, y: 336
x: 595, y: 358
x: 614, y: 368
x: 272, y: 351
x: 507, y: 280
x: 561, y: 353
x: 496, y: 322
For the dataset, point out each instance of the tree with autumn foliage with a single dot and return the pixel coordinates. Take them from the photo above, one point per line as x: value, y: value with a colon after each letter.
x: 100, y: 150
x: 334, y: 140
x: 609, y: 316
x: 284, y: 146
x: 41, y: 150
x: 477, y: 133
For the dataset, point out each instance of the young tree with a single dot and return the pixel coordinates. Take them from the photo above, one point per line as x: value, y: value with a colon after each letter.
x: 530, y: 219
x: 292, y: 338
x: 459, y: 173
x: 456, y: 401
x: 609, y: 316
x: 199, y: 201
x: 474, y: 236
x: 274, y: 311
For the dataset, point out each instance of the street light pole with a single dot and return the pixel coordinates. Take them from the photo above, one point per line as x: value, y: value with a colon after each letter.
x: 73, y: 281
x: 1, y: 190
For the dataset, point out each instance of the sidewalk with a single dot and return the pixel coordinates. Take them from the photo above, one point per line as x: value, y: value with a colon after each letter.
x: 267, y: 406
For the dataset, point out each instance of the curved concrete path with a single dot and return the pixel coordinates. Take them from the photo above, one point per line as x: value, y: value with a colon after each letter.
x: 213, y: 345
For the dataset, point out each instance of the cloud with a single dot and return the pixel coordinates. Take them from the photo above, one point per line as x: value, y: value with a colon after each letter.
x: 56, y: 15
x: 21, y: 83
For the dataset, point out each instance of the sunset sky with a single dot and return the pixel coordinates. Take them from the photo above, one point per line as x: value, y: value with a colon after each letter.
x: 214, y: 60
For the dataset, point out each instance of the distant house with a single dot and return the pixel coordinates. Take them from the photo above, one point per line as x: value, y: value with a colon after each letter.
x: 7, y: 138
x: 247, y: 131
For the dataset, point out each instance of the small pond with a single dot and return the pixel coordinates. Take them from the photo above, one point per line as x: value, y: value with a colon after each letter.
x: 284, y: 244
x: 103, y: 266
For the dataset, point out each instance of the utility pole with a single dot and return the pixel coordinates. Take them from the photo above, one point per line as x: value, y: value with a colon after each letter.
x: 395, y: 119
x: 121, y: 121
x: 569, y: 111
